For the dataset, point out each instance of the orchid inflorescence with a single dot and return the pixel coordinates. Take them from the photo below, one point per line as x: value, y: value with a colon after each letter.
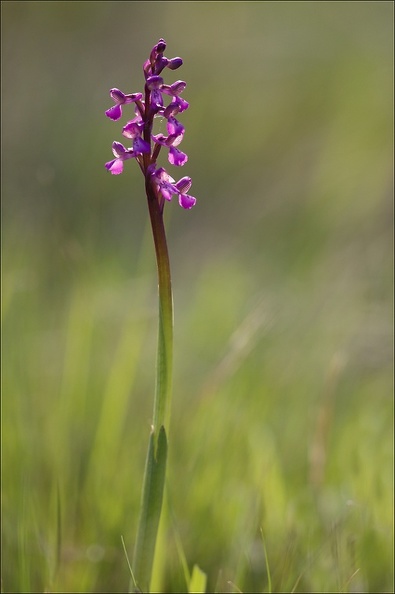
x: 146, y: 146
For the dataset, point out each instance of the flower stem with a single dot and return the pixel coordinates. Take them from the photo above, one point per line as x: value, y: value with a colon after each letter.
x: 155, y: 469
x: 165, y: 335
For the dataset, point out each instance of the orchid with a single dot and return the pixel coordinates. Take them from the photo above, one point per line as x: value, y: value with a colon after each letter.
x: 146, y: 145
x: 121, y: 154
x: 115, y: 112
x: 168, y: 187
x: 163, y: 101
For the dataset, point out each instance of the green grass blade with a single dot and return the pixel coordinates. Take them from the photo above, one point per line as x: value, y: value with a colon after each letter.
x: 269, y: 577
x: 198, y: 582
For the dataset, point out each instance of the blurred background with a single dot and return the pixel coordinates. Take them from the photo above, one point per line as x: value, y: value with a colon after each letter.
x: 282, y: 412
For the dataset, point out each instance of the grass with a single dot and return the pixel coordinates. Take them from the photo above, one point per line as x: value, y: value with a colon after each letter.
x: 260, y: 442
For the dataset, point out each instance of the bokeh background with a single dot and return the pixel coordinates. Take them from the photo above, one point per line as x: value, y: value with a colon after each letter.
x: 282, y: 413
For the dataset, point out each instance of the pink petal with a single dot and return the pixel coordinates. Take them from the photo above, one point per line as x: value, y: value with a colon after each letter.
x: 115, y: 167
x: 177, y: 157
x: 114, y: 113
x: 186, y: 201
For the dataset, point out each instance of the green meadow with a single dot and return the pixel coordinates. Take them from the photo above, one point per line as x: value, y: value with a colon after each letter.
x: 280, y: 470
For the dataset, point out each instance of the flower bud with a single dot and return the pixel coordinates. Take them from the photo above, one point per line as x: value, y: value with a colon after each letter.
x: 174, y: 63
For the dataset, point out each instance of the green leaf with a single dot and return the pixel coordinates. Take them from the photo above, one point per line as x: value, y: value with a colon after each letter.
x: 151, y: 506
x: 198, y: 581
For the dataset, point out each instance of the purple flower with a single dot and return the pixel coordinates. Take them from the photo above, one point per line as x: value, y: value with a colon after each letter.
x: 133, y: 131
x: 176, y: 134
x: 174, y: 127
x: 154, y: 84
x: 157, y: 87
x: 165, y: 183
x: 175, y: 156
x: 184, y: 199
x: 174, y: 63
x: 121, y: 153
x: 157, y: 61
x: 176, y: 106
x: 163, y: 100
x: 115, y: 112
x: 168, y: 187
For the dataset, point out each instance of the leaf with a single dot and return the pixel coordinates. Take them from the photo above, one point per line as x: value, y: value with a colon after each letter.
x: 152, y: 498
x: 198, y: 581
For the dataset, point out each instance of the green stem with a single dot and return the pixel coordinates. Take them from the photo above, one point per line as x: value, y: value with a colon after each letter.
x: 155, y: 469
x: 165, y: 335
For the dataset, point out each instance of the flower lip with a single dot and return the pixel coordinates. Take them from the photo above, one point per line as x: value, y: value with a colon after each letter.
x: 177, y: 157
x: 186, y: 201
x: 114, y: 113
x: 175, y: 127
x: 115, y: 166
